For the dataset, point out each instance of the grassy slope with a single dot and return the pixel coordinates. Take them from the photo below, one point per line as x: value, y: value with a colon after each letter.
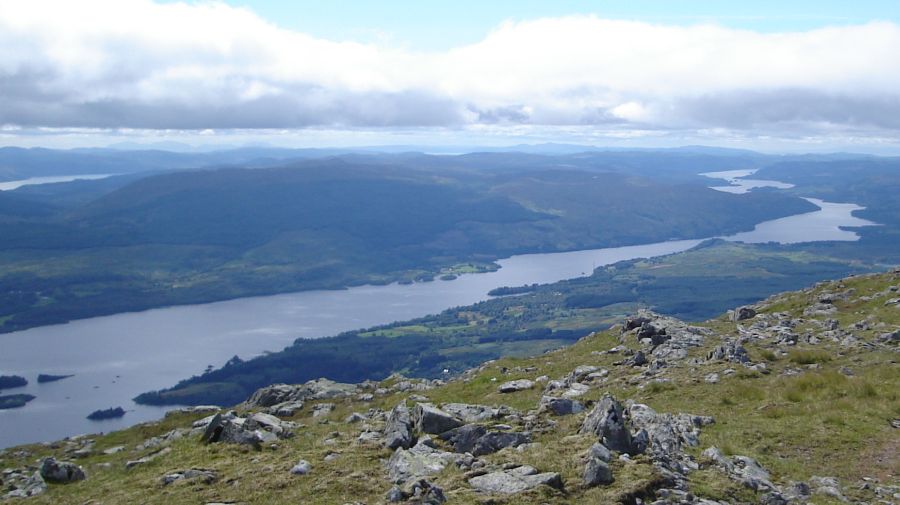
x: 809, y: 424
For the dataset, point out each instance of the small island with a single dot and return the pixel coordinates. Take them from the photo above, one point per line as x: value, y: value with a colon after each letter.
x: 516, y: 290
x: 14, y: 401
x: 111, y: 413
x: 44, y: 377
x: 12, y: 381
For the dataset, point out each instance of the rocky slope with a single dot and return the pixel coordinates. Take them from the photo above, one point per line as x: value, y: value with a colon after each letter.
x: 795, y: 399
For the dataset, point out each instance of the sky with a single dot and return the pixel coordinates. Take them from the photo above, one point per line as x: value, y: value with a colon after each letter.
x: 774, y: 76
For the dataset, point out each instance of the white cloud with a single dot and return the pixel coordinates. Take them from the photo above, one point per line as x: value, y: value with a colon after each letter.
x: 138, y: 64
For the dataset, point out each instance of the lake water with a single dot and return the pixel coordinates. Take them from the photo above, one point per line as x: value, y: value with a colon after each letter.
x: 737, y: 184
x: 114, y: 358
x: 10, y: 185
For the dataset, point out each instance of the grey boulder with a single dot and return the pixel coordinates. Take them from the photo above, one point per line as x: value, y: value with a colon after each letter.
x: 516, y: 385
x: 432, y: 420
x: 196, y: 474
x: 607, y: 421
x: 398, y: 429
x: 60, y: 472
x: 559, y: 406
x: 515, y: 480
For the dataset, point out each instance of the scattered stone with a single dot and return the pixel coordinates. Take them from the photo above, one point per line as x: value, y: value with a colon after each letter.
x: 301, y: 468
x: 743, y: 469
x: 419, y: 461
x: 639, y: 359
x: 60, y: 472
x: 478, y: 441
x: 322, y: 409
x: 418, y: 491
x: 354, y: 418
x: 712, y: 378
x: 560, y: 406
x: 475, y: 413
x: 146, y: 459
x: 515, y: 480
x: 607, y: 421
x: 256, y: 430
x: 398, y: 429
x: 743, y: 313
x: 22, y: 484
x: 432, y: 420
x: 287, y: 399
x: 827, y: 486
x: 194, y: 474
x: 516, y: 385
x: 597, y: 473
x: 114, y: 450
x: 729, y: 351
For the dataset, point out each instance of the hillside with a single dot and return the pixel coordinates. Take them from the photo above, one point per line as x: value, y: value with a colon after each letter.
x: 129, y: 244
x: 696, y: 284
x: 766, y: 404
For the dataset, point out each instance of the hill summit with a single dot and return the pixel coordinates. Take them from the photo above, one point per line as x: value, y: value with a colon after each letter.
x: 794, y: 399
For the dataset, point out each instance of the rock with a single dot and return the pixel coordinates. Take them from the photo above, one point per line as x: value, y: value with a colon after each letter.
x: 146, y: 459
x: 398, y: 429
x: 712, y: 378
x: 198, y: 474
x: 639, y: 359
x: 322, y: 409
x: 395, y: 495
x: 301, y: 468
x: 743, y: 313
x: 287, y: 399
x: 575, y: 390
x: 634, y: 322
x: 580, y: 373
x: 256, y: 430
x: 597, y: 473
x: 266, y: 422
x: 560, y: 406
x: 494, y: 441
x: 743, y: 469
x: 729, y: 351
x: 354, y: 418
x: 828, y: 486
x: 432, y: 420
x: 213, y: 429
x: 475, y: 413
x: 60, y: 472
x: 418, y: 461
x: 797, y: 491
x: 161, y: 440
x: 607, y: 421
x: 21, y: 486
x: 891, y: 337
x: 751, y: 473
x: 516, y: 385
x: 599, y: 451
x: 286, y: 409
x: 464, y: 438
x: 515, y: 480
x: 114, y: 450
x: 418, y: 491
x: 478, y: 441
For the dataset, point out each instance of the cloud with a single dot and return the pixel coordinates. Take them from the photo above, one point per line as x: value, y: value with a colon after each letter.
x: 139, y: 64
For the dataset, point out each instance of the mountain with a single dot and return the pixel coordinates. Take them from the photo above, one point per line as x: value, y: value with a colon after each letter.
x: 765, y: 404
x: 170, y: 237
